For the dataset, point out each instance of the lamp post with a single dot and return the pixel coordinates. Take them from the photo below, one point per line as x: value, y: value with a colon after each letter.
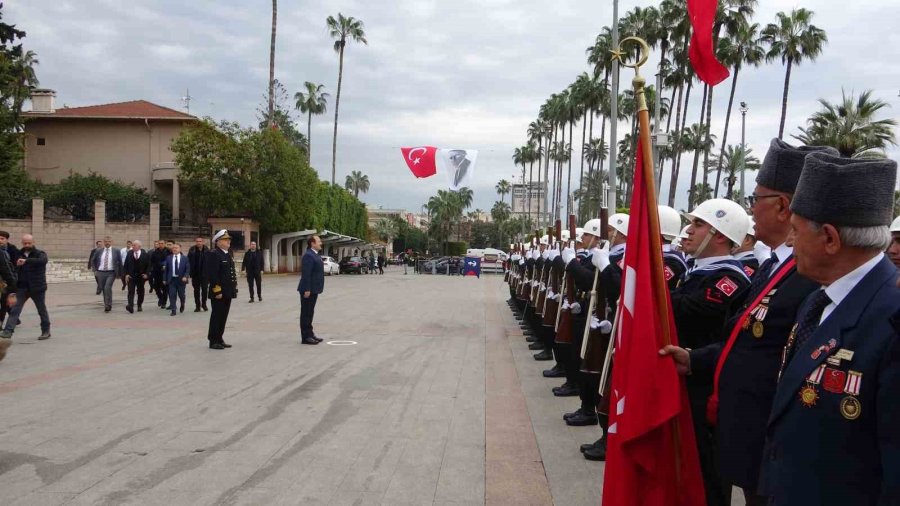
x: 743, y: 110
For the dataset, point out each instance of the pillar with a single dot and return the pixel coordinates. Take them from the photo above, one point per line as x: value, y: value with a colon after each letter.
x: 154, y: 222
x: 99, y: 220
x: 37, y: 220
x: 176, y: 204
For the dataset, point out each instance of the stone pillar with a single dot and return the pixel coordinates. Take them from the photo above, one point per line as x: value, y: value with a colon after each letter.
x: 176, y: 204
x: 37, y: 220
x: 99, y: 220
x: 154, y: 222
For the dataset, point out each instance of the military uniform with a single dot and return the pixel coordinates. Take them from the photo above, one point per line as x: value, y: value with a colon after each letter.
x: 222, y: 278
x: 749, y: 262
x: 674, y: 266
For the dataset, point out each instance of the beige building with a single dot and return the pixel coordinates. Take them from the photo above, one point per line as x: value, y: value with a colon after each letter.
x: 126, y: 141
x: 520, y: 200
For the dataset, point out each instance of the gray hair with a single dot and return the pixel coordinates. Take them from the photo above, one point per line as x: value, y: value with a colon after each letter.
x: 138, y: 242
x: 873, y: 238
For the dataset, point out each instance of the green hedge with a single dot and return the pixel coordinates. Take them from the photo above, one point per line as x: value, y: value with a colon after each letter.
x: 16, y: 192
x: 457, y: 248
x: 337, y: 210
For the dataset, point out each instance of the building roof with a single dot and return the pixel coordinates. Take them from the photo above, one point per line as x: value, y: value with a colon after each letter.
x: 135, y: 109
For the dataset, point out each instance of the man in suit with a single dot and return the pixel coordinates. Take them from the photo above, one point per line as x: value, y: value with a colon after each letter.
x: 196, y: 258
x: 90, y: 265
x: 222, y: 279
x: 12, y: 254
x: 832, y: 436
x: 123, y: 253
x: 31, y: 284
x: 157, y: 277
x: 178, y: 268
x: 137, y: 271
x: 742, y: 397
x: 107, y: 267
x: 312, y: 283
x: 254, y: 264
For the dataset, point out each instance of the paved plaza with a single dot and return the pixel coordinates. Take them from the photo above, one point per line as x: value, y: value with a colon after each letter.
x: 438, y: 402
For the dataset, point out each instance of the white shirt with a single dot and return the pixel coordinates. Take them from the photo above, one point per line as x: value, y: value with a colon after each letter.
x: 123, y: 253
x: 106, y: 262
x: 782, y: 252
x: 839, y: 290
x: 618, y: 248
x: 700, y: 262
x: 742, y: 255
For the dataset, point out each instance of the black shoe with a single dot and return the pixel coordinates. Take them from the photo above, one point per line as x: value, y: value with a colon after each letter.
x: 98, y: 291
x: 140, y: 309
x: 251, y: 301
x: 260, y: 298
x: 130, y: 309
x: 532, y: 339
x: 598, y: 453
x: 527, y: 333
x: 225, y: 345
x: 565, y: 390
x: 555, y: 372
x: 205, y: 308
x: 309, y: 341
x: 583, y: 419
x: 319, y: 339
x: 197, y: 310
x: 588, y: 446
x: 173, y: 313
x: 181, y: 309
x: 536, y: 345
x: 575, y: 413
x: 172, y: 309
x: 44, y: 336
x: 216, y: 346
x: 107, y: 309
x: 544, y: 355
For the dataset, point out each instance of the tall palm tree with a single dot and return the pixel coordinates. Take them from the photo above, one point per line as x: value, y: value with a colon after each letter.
x: 734, y: 160
x: 357, y: 182
x: 698, y: 138
x: 314, y: 101
x: 850, y: 126
x: 271, y: 113
x: 386, y: 229
x: 343, y: 29
x: 503, y: 187
x: 743, y: 46
x: 792, y: 38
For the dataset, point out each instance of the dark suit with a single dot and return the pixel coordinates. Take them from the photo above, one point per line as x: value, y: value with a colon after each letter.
x: 32, y: 283
x: 222, y: 279
x: 312, y: 280
x: 196, y: 258
x: 844, y: 447
x: 138, y: 270
x: 749, y: 377
x: 174, y: 277
x: 157, y: 278
x: 106, y: 270
x: 253, y: 263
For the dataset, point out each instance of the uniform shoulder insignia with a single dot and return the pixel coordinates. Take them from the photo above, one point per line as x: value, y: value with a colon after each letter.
x: 749, y: 271
x: 621, y: 263
x: 668, y: 273
x: 727, y: 286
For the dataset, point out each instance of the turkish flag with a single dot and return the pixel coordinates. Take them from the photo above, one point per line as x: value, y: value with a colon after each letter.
x: 651, y: 452
x: 701, y: 50
x: 421, y: 160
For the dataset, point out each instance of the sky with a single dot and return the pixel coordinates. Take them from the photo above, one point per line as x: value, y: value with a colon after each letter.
x: 456, y: 74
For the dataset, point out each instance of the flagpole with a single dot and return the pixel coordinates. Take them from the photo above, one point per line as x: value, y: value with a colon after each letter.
x: 613, y: 114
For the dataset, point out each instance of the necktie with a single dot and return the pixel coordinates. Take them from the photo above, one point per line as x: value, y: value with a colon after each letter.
x: 761, y: 277
x: 105, y: 263
x: 175, y: 273
x: 809, y: 321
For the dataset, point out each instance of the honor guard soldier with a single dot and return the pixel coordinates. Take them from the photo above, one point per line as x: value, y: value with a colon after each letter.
x: 743, y: 368
x: 894, y: 249
x: 833, y: 436
x: 222, y: 279
x: 745, y: 253
x: 674, y: 263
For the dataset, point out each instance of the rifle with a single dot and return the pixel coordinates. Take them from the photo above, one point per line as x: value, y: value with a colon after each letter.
x: 551, y: 304
x: 564, y: 315
x: 541, y: 299
x: 595, y: 343
x: 536, y: 274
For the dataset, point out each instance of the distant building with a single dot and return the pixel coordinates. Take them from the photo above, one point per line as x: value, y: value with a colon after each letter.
x: 520, y: 195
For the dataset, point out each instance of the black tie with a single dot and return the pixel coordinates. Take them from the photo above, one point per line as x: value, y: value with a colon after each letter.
x: 761, y: 278
x: 809, y: 321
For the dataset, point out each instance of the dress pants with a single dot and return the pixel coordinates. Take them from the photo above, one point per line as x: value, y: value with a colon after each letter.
x: 159, y: 288
x: 105, y: 280
x: 307, y: 311
x: 22, y: 295
x: 136, y: 284
x: 176, y: 289
x: 200, y: 288
x: 218, y: 317
x: 255, y: 277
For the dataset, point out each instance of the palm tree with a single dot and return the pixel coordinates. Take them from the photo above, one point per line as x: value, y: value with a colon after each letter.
x: 357, y: 182
x: 594, y: 151
x: 700, y: 193
x: 272, y: 66
x: 792, y: 38
x: 386, y: 229
x: 343, y: 29
x: 850, y: 126
x: 740, y: 47
x: 734, y: 160
x: 500, y: 212
x: 314, y: 101
x: 698, y: 138
x: 503, y: 187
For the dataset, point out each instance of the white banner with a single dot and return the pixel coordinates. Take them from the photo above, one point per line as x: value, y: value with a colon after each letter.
x: 459, y: 165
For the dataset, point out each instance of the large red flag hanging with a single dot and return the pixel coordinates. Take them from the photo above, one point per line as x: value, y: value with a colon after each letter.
x: 421, y: 160
x: 651, y: 457
x: 701, y: 50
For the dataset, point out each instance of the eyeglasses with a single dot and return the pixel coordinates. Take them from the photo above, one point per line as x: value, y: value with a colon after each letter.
x: 751, y: 199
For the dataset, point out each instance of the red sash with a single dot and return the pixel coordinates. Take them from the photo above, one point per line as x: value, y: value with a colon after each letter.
x: 712, y: 404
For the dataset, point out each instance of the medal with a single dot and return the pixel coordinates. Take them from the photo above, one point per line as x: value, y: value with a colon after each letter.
x: 808, y: 396
x: 746, y: 324
x: 850, y: 408
x: 834, y: 380
x: 854, y: 382
x: 758, y: 329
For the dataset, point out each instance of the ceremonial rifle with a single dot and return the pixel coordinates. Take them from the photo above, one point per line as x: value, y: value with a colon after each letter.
x: 551, y: 301
x: 564, y: 313
x: 541, y: 301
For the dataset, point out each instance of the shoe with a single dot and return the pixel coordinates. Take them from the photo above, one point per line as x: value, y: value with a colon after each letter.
x: 251, y: 301
x: 225, y: 345
x: 565, y: 390
x: 527, y: 333
x: 598, y: 453
x: 574, y: 413
x: 532, y: 339
x: 205, y: 308
x: 98, y: 291
x: 544, y: 355
x: 588, y: 446
x: 555, y: 372
x: 140, y: 309
x: 318, y: 339
x: 583, y: 419
x: 260, y: 298
x: 173, y: 313
x: 6, y: 334
x: 216, y: 346
x: 130, y: 309
x: 309, y: 341
x: 181, y: 309
x: 4, y: 345
x: 107, y: 309
x: 170, y: 309
x: 123, y: 288
x: 536, y: 346
x: 197, y: 310
x: 44, y: 336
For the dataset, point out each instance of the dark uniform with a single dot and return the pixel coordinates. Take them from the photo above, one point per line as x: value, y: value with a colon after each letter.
x: 157, y: 277
x: 253, y: 263
x: 197, y: 259
x: 138, y: 270
x: 749, y: 262
x: 222, y: 279
x: 674, y: 266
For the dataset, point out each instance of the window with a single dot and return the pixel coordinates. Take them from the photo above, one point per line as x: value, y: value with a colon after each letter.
x: 41, y: 141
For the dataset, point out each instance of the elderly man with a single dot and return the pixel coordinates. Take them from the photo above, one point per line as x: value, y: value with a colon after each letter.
x: 894, y: 248
x: 32, y: 284
x: 137, y: 271
x: 222, y: 279
x: 312, y: 283
x: 253, y: 263
x: 832, y: 436
x: 107, y: 266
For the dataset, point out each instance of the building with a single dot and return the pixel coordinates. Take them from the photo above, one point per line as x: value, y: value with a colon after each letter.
x: 125, y: 141
x: 520, y: 196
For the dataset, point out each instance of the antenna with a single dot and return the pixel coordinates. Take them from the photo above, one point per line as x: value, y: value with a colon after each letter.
x: 186, y: 100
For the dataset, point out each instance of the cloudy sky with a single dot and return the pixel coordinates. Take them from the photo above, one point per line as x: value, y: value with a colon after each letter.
x: 462, y: 73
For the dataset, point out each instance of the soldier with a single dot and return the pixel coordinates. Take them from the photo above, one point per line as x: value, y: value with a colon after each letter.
x: 832, y: 436
x: 222, y: 279
x: 743, y: 393
x: 674, y: 263
x: 157, y: 278
x: 894, y: 249
x: 745, y: 253
x: 196, y: 257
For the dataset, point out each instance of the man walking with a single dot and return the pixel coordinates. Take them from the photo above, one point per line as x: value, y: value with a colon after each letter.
x: 196, y: 259
x: 123, y: 253
x: 92, y: 267
x: 253, y: 263
x: 177, y: 270
x: 107, y: 266
x: 7, y: 292
x: 137, y: 269
x: 222, y: 279
x: 157, y: 277
x: 12, y: 254
x: 312, y: 283
x: 32, y: 284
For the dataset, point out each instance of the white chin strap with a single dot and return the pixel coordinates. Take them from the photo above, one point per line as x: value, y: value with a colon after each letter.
x: 705, y: 242
x: 615, y: 235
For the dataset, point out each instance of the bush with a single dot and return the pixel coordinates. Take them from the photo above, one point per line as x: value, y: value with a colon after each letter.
x: 75, y: 196
x: 16, y: 192
x: 457, y: 248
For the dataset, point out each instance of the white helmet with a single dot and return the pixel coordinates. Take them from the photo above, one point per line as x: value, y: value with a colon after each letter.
x: 751, y: 230
x: 578, y: 233
x: 565, y: 235
x: 593, y: 227
x: 726, y: 216
x: 669, y: 222
x: 619, y: 223
x: 895, y: 226
x: 683, y: 234
x: 545, y: 240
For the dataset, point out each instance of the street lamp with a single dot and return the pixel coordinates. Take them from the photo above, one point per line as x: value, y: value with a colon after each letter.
x: 743, y: 110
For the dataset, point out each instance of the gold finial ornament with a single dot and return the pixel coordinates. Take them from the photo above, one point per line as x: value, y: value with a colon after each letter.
x: 618, y: 54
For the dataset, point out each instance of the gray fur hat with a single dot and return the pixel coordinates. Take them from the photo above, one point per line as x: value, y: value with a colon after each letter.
x: 781, y: 167
x: 846, y: 191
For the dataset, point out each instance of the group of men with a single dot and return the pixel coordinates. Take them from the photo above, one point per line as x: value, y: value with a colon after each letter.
x: 23, y: 276
x: 775, y: 346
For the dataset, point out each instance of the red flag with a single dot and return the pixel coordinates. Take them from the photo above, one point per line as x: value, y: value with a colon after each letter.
x: 420, y: 160
x: 701, y: 50
x: 651, y: 455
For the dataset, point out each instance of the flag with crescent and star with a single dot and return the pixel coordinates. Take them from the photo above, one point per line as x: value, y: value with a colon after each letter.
x: 421, y: 160
x: 426, y: 161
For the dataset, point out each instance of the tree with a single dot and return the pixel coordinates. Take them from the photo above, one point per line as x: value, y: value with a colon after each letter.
x: 850, y: 126
x: 793, y: 39
x: 698, y: 138
x: 357, y: 182
x: 271, y: 115
x: 500, y: 212
x: 343, y: 29
x: 700, y: 192
x: 17, y: 79
x: 386, y: 229
x: 314, y: 101
x: 734, y: 160
x: 281, y: 120
x: 503, y: 187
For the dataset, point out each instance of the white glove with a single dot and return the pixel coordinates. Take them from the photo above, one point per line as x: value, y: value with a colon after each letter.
x: 551, y: 295
x: 605, y: 326
x: 576, y: 308
x: 535, y: 254
x: 553, y: 254
x: 568, y: 255
x: 545, y: 254
x: 521, y: 261
x: 600, y: 258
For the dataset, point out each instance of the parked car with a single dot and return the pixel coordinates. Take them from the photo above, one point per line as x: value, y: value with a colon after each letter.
x: 331, y: 267
x: 358, y: 265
